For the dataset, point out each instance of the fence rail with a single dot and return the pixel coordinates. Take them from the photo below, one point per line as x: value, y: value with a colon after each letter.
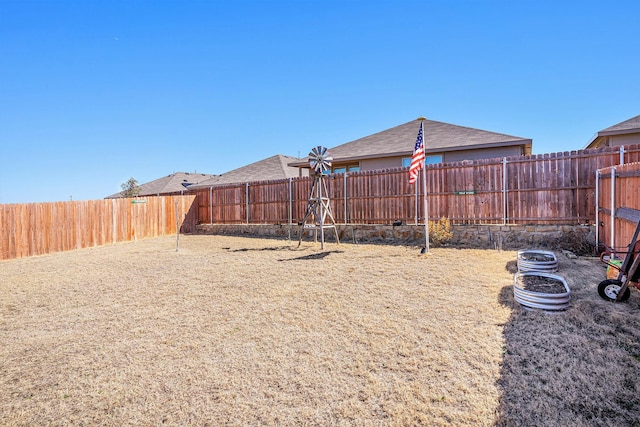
x: 557, y: 188
x: 42, y: 228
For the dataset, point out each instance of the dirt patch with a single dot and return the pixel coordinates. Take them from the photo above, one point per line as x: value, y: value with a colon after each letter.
x: 241, y: 331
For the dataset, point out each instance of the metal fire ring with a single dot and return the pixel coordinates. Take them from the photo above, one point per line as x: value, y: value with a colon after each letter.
x: 544, y: 301
x: 547, y: 266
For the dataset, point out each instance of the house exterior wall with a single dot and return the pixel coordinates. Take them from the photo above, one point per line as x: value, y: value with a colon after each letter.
x: 618, y: 140
x: 381, y: 163
x: 453, y: 156
x: 485, y: 153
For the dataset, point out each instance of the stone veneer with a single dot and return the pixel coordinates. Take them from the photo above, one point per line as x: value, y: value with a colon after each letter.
x: 470, y: 236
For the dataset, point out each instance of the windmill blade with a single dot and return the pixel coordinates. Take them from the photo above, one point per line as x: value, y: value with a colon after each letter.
x: 320, y: 159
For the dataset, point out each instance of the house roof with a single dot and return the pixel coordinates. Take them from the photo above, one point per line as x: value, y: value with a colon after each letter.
x: 438, y: 137
x: 170, y: 184
x: 631, y: 125
x: 271, y: 168
x: 628, y: 126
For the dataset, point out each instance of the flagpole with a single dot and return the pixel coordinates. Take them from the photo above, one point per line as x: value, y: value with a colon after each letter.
x: 424, y: 185
x: 418, y: 161
x: 426, y: 209
x: 416, y: 213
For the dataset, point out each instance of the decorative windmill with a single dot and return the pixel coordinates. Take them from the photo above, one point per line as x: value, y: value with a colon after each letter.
x: 318, y: 207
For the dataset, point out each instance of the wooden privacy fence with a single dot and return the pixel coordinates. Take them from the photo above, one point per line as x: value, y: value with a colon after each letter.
x: 41, y: 228
x: 557, y: 188
x: 618, y: 210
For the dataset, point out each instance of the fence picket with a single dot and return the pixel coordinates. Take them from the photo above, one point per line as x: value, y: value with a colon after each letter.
x: 553, y: 188
x: 41, y: 228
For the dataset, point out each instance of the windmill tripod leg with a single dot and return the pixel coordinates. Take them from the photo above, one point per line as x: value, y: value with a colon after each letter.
x: 319, y: 209
x: 310, y: 211
x: 333, y: 222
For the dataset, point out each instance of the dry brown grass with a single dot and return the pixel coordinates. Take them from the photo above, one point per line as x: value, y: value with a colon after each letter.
x: 240, y: 331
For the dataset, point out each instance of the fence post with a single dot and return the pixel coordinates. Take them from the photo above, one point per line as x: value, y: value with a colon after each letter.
x: 290, y: 206
x: 177, y: 225
x: 597, y: 209
x: 210, y: 205
x: 163, y: 213
x: 290, y: 201
x: 246, y: 199
x: 577, y: 191
x: 345, y: 197
x: 115, y: 232
x: 613, y: 207
x: 622, y: 154
x: 504, y: 191
x: 416, y: 215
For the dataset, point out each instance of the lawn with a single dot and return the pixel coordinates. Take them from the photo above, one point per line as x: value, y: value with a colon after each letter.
x: 243, y: 331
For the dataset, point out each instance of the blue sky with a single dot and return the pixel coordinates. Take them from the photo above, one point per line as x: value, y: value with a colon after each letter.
x: 95, y: 92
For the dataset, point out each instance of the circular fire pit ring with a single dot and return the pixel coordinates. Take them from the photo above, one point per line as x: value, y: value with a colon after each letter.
x: 541, y: 290
x: 537, y: 260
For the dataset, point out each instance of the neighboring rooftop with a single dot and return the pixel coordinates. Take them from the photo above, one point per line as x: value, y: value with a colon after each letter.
x: 176, y: 183
x: 622, y: 132
x: 438, y: 137
x: 272, y: 168
x: 633, y: 124
x: 398, y: 141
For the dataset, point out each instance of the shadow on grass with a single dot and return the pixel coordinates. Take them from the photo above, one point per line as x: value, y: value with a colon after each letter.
x: 577, y: 367
x: 273, y: 248
x: 319, y: 255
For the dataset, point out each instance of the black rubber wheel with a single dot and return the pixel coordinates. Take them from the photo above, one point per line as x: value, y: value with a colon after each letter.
x: 609, y: 289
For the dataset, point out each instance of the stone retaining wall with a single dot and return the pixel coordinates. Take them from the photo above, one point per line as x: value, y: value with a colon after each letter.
x: 576, y: 238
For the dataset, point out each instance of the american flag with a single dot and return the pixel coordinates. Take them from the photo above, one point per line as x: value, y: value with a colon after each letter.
x: 417, y: 160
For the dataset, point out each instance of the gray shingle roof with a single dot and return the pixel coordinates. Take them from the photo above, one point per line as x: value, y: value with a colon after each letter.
x: 170, y: 184
x: 633, y: 124
x: 272, y: 168
x: 438, y: 137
